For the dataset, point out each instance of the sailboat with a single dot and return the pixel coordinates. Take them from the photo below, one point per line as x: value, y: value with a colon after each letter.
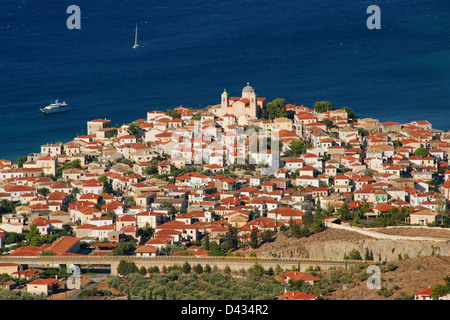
x: 135, y: 40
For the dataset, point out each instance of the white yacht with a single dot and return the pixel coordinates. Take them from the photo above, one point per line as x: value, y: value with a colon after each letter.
x: 56, y: 107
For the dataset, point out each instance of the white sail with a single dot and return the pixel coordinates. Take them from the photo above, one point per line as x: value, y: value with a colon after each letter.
x: 135, y: 40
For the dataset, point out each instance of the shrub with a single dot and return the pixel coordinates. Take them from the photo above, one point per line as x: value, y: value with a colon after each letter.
x: 162, y: 280
x: 143, y: 271
x: 354, y: 254
x: 19, y: 295
x: 198, y: 268
x: 227, y: 269
x: 126, y: 267
x: 404, y: 296
x: 389, y: 267
x: 363, y: 276
x: 205, y: 276
x: 186, y: 268
x: 194, y: 286
x: 216, y: 278
x: 385, y: 292
x: 153, y: 269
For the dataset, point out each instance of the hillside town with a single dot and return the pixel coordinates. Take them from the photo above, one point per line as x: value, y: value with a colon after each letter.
x: 249, y: 166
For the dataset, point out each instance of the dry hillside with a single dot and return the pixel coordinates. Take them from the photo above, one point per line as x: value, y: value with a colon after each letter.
x: 411, y: 275
x: 426, y: 263
x: 335, y: 243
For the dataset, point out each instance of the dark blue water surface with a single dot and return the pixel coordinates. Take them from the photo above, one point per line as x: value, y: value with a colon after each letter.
x: 190, y: 51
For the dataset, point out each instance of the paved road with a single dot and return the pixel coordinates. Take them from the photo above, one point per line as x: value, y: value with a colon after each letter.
x: 99, y: 277
x: 371, y: 232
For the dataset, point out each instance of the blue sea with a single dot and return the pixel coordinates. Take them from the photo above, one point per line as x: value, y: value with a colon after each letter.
x: 300, y: 50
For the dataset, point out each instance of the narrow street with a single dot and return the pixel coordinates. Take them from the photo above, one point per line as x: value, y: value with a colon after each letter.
x: 95, y: 280
x: 87, y: 282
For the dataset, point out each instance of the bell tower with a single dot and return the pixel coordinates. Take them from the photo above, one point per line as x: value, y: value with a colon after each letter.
x: 224, y: 99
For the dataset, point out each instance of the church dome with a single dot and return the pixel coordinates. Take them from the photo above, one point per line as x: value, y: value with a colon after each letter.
x: 247, y: 89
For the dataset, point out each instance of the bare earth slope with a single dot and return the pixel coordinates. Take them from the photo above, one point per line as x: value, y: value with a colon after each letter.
x: 426, y: 263
x: 334, y: 244
x: 411, y: 275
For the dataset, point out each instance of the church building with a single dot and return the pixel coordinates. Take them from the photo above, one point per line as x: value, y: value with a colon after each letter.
x: 247, y: 106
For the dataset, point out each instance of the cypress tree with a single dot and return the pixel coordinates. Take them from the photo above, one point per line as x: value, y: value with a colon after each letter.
x: 254, y: 239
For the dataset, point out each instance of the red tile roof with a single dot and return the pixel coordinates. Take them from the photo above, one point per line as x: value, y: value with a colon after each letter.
x: 299, y: 276
x: 26, y: 251
x: 42, y: 281
x: 297, y: 295
x: 424, y: 292
x: 63, y: 244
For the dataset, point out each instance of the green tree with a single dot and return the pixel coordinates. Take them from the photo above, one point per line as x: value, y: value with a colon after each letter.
x: 171, y: 207
x: 20, y: 161
x: 368, y: 255
x: 350, y: 112
x: 227, y: 269
x: 205, y: 242
x: 68, y: 165
x: 344, y: 212
x: 126, y: 267
x: 124, y: 248
x: 274, y: 109
x: 47, y: 253
x: 440, y: 290
x: 363, y: 132
x: 7, y: 206
x: 323, y: 106
x: 146, y: 231
x: 215, y: 249
x: 278, y: 269
x: 298, y: 147
x: 134, y: 129
x: 142, y: 271
x: 198, y: 268
x: 14, y: 237
x: 421, y: 152
x: 256, y: 271
x: 107, y: 185
x: 354, y: 255
x: 267, y: 235
x: 173, y: 113
x: 130, y: 201
x: 308, y: 218
x: 253, y: 239
x: 396, y: 144
x: 231, y: 239
x: 33, y: 236
x: 150, y: 170
x: 155, y: 269
x: 186, y: 267
x: 294, y: 228
x: 329, y: 123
